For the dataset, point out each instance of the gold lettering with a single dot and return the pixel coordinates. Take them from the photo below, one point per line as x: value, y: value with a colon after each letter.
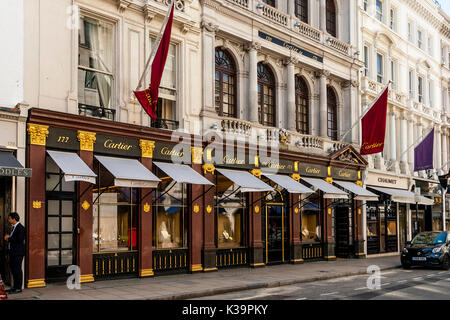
x: 170, y: 152
x: 312, y: 170
x: 234, y: 160
x: 110, y: 144
x: 343, y: 173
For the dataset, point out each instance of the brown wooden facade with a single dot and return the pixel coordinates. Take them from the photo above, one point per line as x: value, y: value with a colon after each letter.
x: 202, y: 253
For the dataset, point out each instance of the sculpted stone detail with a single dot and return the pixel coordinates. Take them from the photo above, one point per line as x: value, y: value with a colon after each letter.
x: 87, y: 140
x: 38, y: 134
x: 252, y: 46
x: 209, y: 26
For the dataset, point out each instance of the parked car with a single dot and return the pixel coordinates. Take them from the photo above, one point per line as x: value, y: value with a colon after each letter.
x: 430, y: 248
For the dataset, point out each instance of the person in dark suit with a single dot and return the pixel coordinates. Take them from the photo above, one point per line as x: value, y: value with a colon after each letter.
x: 16, y: 249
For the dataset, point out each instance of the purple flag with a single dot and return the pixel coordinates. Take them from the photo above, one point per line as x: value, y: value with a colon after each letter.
x: 423, y: 153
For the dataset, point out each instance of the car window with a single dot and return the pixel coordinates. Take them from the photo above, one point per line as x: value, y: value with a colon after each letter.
x: 425, y: 238
x: 440, y: 238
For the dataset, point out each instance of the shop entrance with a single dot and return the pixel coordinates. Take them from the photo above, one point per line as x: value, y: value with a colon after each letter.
x: 61, y: 235
x: 5, y: 208
x: 275, y: 229
x: 343, y: 216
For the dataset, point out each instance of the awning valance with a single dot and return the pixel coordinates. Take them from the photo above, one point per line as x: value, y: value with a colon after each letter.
x: 330, y: 191
x: 423, y: 200
x: 398, y: 195
x: 288, y: 183
x: 73, y: 167
x: 182, y: 173
x: 359, y: 192
x: 246, y: 181
x: 129, y: 172
x: 10, y: 166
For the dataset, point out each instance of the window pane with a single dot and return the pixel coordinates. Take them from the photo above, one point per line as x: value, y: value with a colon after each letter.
x: 51, y: 165
x: 96, y: 45
x: 51, y: 182
x: 53, y: 224
x: 67, y: 224
x: 94, y: 89
x: 66, y: 208
x: 66, y: 257
x: 53, y: 241
x: 66, y: 241
x: 53, y: 207
x: 114, y: 227
x: 53, y: 258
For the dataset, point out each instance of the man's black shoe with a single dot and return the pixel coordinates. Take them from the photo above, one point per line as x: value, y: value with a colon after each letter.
x: 13, y: 291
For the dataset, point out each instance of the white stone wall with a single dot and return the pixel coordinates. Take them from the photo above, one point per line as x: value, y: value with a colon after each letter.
x: 11, y: 53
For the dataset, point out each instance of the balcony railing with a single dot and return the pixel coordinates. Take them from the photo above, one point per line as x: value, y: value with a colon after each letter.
x: 165, y: 124
x: 292, y: 23
x: 98, y: 112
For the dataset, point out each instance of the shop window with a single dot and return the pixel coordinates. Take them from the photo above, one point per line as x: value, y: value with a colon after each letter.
x: 54, y: 178
x: 392, y: 228
x: 230, y: 208
x: 266, y: 96
x: 311, y: 222
x: 302, y: 105
x: 170, y: 217
x: 225, y: 84
x: 372, y: 221
x: 96, y: 68
x: 115, y: 214
x: 166, y: 110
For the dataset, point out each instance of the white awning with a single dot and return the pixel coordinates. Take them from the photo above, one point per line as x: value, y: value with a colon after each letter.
x: 245, y: 180
x: 423, y: 200
x: 129, y: 172
x: 398, y: 195
x: 359, y: 192
x: 182, y: 173
x: 330, y: 191
x: 288, y: 183
x: 73, y: 167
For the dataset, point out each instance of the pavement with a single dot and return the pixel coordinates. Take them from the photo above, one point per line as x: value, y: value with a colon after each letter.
x: 191, y: 286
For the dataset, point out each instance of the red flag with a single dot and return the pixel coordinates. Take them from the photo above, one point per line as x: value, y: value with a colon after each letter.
x: 374, y: 126
x: 148, y: 98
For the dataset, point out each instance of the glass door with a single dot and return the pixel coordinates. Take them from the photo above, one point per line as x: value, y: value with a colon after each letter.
x: 274, y: 233
x: 61, y: 236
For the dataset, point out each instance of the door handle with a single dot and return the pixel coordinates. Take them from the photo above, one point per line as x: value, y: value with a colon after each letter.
x: 78, y: 230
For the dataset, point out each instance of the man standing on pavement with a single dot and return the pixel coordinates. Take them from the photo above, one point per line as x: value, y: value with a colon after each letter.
x: 16, y: 249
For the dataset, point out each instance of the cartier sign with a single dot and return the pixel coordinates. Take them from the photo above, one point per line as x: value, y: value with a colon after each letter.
x: 344, y: 174
x: 312, y: 170
x: 117, y: 145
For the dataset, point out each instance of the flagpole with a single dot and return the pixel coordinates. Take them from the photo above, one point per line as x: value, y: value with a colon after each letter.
x: 365, y: 112
x: 412, y: 145
x: 155, y: 47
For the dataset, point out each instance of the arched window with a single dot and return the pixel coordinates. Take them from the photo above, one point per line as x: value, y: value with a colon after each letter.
x: 301, y: 10
x: 302, y: 105
x: 332, y: 114
x: 266, y: 96
x: 331, y: 18
x: 225, y: 85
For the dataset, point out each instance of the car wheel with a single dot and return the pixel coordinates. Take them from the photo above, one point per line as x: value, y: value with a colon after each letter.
x: 446, y: 263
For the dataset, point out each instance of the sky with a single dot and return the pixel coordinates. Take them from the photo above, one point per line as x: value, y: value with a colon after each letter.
x: 445, y: 5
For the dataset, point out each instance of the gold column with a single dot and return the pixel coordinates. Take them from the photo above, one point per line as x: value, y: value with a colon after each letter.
x: 147, y: 148
x: 197, y: 154
x: 87, y: 140
x: 38, y: 134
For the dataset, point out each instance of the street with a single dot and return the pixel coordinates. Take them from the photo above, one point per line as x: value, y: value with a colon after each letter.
x: 423, y: 284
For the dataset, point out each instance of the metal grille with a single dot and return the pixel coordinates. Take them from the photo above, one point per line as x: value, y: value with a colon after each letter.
x: 175, y: 260
x: 231, y: 257
x: 107, y: 265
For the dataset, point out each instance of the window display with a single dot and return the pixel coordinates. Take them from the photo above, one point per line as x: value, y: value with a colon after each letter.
x: 392, y: 228
x: 169, y: 231
x: 114, y: 214
x: 230, y: 208
x: 311, y: 228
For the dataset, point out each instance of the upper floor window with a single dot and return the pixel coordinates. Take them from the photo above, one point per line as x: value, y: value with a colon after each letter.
x: 269, y: 2
x: 411, y: 84
x: 331, y: 17
x: 95, y: 67
x: 380, y: 68
x: 410, y: 34
x: 302, y: 105
x: 301, y: 10
x: 225, y: 85
x: 420, y: 89
x: 392, y: 19
x: 366, y: 61
x: 166, y: 110
x: 430, y: 46
x: 419, y: 39
x: 379, y: 10
x: 365, y: 5
x: 266, y: 96
x: 332, y: 114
